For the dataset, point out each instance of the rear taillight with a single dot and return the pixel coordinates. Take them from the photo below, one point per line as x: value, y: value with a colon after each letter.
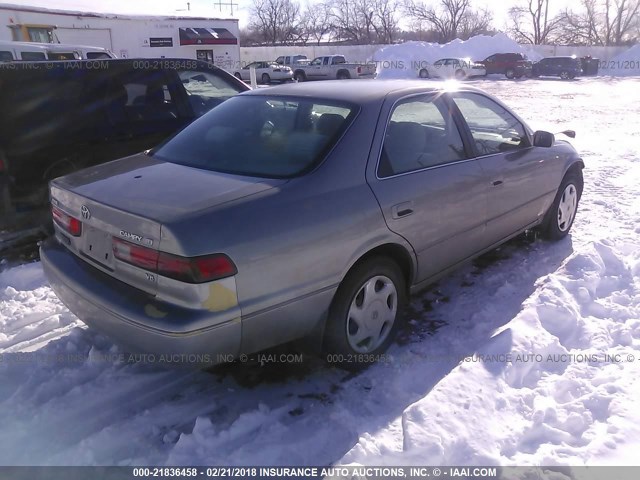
x: 137, y: 255
x: 185, y: 269
x: 68, y: 223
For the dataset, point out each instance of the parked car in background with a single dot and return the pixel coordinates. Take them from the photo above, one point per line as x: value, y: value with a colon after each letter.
x: 65, y: 116
x: 266, y: 72
x: 31, y: 51
x: 563, y: 67
x: 311, y: 209
x: 292, y: 60
x: 511, y: 65
x: 332, y: 67
x: 459, y: 68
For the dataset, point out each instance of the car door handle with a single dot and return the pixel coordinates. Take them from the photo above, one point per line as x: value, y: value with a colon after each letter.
x: 497, y: 183
x: 402, y: 210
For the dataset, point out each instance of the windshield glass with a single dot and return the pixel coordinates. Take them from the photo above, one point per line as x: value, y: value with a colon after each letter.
x: 260, y: 136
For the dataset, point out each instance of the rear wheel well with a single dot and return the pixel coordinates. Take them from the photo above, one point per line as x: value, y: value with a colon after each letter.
x: 394, y: 252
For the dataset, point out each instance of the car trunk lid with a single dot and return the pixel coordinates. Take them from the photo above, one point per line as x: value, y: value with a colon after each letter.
x: 130, y: 199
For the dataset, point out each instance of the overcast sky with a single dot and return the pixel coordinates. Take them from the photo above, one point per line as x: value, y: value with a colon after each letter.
x: 241, y: 8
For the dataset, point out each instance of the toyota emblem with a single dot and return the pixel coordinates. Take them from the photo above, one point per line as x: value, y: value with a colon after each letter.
x: 86, y: 214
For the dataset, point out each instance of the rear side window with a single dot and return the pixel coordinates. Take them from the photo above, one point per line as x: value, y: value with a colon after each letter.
x: 260, y: 136
x: 205, y: 90
x: 493, y: 128
x: 6, y: 56
x: 421, y: 133
x: 32, y: 56
x: 97, y: 55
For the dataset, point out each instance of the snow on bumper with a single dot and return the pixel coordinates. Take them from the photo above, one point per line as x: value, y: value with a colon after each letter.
x: 135, y: 319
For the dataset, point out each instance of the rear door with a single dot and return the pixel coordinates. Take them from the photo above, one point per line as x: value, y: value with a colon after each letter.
x: 429, y: 188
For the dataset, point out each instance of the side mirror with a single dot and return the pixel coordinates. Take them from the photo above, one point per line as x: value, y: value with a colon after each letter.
x: 543, y: 139
x: 569, y: 133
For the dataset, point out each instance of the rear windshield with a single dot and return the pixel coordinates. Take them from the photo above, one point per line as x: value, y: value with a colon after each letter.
x: 260, y: 136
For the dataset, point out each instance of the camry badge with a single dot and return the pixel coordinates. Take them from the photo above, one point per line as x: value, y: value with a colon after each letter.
x: 84, y: 211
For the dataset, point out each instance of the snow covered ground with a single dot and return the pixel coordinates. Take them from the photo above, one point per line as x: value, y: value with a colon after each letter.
x: 530, y: 356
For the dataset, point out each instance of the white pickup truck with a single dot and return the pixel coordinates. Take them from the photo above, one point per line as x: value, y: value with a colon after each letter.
x: 331, y: 67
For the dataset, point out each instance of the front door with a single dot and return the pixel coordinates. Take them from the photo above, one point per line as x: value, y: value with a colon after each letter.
x: 516, y: 173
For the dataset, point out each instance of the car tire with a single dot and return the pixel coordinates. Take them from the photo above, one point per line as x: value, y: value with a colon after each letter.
x: 564, y: 75
x: 266, y: 79
x: 300, y: 76
x: 424, y: 73
x: 572, y: 75
x: 460, y: 75
x: 377, y: 288
x: 509, y: 73
x: 562, y: 213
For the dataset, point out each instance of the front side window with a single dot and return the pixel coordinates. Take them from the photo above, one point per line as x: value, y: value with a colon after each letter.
x: 139, y: 97
x: 63, y: 56
x: 317, y: 61
x: 493, y: 128
x: 260, y: 136
x: 421, y: 133
x: 40, y: 35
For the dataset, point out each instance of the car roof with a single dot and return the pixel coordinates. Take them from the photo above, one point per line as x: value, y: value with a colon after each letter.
x: 359, y: 91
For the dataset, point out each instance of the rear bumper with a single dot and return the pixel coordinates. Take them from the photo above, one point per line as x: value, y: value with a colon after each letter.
x: 135, y: 319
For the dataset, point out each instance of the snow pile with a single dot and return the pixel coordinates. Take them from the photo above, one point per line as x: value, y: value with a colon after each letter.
x: 404, y: 60
x: 624, y: 65
x: 557, y: 385
x: 31, y: 314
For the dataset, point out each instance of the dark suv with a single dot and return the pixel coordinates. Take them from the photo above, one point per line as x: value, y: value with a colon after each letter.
x: 511, y: 65
x: 58, y: 117
x: 563, y: 67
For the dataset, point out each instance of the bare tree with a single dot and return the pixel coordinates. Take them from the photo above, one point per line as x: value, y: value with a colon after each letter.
x: 622, y: 18
x: 601, y: 22
x: 476, y: 23
x: 364, y: 21
x: 316, y: 20
x: 276, y: 21
x: 450, y: 18
x: 531, y: 21
x: 386, y: 19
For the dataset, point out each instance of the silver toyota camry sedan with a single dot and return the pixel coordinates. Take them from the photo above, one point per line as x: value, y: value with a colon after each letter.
x: 309, y: 210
